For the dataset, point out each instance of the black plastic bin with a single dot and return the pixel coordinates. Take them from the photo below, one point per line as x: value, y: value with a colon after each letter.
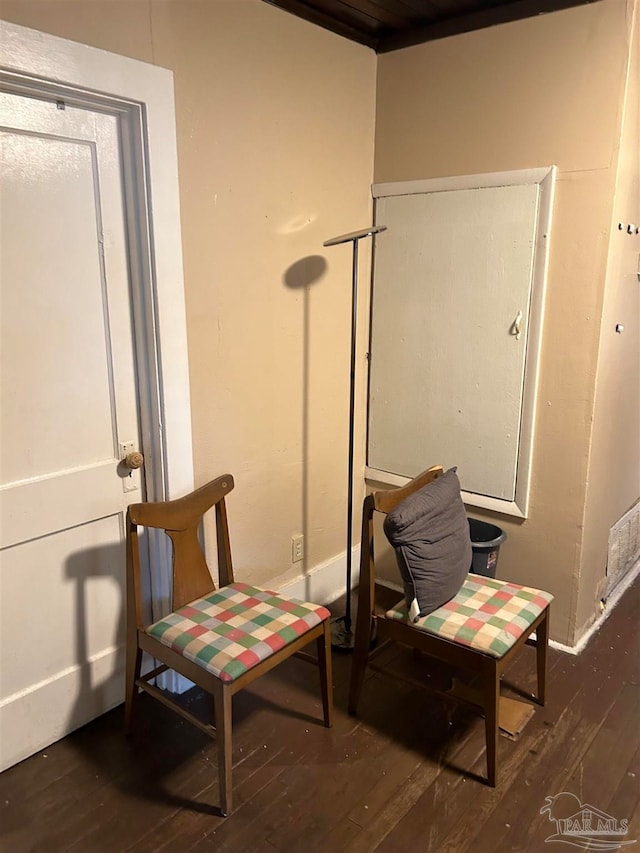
x: 486, y: 540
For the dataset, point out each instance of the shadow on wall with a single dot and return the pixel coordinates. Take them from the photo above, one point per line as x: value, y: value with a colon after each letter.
x: 301, y: 276
x: 99, y: 628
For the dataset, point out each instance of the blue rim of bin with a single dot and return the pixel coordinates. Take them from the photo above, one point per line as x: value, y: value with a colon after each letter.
x: 486, y: 539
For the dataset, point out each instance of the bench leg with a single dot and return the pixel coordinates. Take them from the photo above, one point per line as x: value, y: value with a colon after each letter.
x: 222, y: 702
x: 134, y: 664
x: 542, y: 644
x: 323, y: 644
x: 491, y: 710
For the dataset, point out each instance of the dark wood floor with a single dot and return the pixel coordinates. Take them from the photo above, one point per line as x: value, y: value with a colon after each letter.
x: 404, y: 776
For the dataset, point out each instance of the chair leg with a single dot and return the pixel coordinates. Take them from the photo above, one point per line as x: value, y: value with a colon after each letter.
x: 359, y: 663
x: 326, y: 676
x: 542, y: 645
x: 491, y: 711
x: 222, y: 702
x: 134, y: 663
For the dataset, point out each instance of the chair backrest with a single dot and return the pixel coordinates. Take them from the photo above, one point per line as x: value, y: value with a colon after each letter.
x: 387, y: 499
x: 180, y: 519
x: 383, y: 500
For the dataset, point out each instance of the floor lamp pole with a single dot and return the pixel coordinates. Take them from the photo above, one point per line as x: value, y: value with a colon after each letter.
x: 342, y: 635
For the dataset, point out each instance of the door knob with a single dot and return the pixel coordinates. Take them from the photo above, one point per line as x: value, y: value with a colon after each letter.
x: 134, y: 460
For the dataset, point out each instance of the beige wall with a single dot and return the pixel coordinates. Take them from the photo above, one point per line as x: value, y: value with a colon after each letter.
x: 275, y: 133
x: 275, y: 122
x: 542, y: 91
x: 120, y: 26
x: 614, y: 461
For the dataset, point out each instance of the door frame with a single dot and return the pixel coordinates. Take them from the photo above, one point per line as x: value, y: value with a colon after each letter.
x: 545, y: 178
x: 42, y: 65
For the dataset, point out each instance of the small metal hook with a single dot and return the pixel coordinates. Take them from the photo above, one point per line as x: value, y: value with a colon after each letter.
x: 516, y: 326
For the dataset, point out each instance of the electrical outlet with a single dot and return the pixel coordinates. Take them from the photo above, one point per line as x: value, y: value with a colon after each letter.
x: 297, y: 548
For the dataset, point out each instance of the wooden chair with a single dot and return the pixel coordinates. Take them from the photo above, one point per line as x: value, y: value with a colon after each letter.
x: 220, y: 639
x: 481, y: 630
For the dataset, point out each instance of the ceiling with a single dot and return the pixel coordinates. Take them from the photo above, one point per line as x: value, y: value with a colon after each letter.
x: 386, y: 25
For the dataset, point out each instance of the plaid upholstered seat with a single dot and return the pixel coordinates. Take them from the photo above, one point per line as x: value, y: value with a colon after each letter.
x: 487, y: 615
x: 232, y: 629
x: 220, y: 639
x: 480, y: 630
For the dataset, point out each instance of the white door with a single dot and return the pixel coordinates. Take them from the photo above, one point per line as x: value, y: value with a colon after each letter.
x: 68, y: 406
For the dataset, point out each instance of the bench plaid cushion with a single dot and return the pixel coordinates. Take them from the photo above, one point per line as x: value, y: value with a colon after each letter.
x: 236, y: 627
x: 487, y: 614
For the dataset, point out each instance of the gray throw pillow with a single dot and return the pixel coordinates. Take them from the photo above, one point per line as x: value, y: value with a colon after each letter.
x: 430, y: 534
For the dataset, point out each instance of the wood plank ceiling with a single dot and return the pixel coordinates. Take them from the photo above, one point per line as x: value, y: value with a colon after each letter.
x: 386, y: 25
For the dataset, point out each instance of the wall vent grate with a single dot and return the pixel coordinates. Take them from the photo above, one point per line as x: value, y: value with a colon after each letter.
x: 624, y: 546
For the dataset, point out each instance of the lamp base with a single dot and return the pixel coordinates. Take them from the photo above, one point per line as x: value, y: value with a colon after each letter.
x: 342, y: 640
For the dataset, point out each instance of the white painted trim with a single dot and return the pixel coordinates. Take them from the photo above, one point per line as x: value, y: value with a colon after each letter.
x: 384, y: 478
x: 495, y: 504
x: 516, y: 178
x: 545, y: 178
x: 396, y: 587
x: 324, y: 583
x: 609, y: 606
x: 534, y: 344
